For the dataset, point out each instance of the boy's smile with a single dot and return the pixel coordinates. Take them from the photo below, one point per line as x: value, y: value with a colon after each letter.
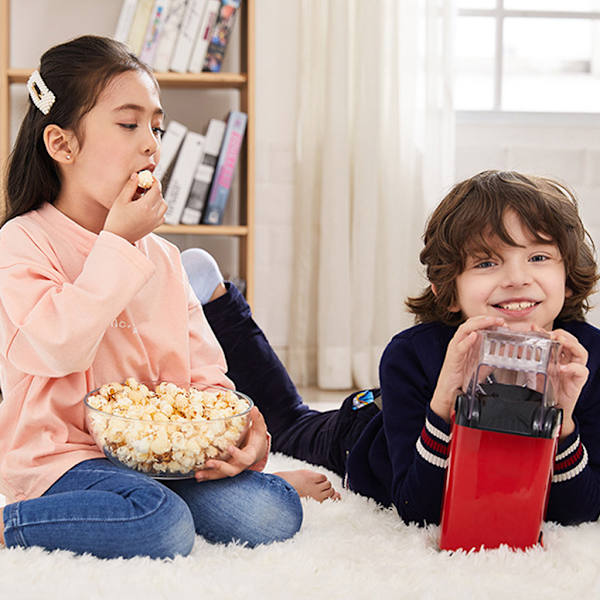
x: 524, y: 284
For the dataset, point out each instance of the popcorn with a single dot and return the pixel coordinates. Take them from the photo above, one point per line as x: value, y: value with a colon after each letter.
x: 168, y: 431
x: 145, y: 179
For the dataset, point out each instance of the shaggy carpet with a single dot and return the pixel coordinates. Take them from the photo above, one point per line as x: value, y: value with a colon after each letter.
x: 350, y: 549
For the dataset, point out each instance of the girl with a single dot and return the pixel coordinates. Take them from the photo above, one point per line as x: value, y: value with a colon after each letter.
x: 87, y: 297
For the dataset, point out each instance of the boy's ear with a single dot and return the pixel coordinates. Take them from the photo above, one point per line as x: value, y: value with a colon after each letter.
x: 60, y: 143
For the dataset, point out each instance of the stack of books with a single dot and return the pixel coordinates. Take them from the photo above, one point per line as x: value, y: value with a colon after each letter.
x: 185, y: 36
x: 197, y: 169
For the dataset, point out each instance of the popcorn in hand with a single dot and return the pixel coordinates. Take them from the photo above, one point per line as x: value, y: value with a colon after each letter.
x: 145, y: 179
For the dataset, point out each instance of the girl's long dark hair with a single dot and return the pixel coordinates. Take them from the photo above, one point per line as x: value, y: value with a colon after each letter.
x: 76, y: 72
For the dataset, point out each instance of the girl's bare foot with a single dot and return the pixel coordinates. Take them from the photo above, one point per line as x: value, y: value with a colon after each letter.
x: 310, y: 484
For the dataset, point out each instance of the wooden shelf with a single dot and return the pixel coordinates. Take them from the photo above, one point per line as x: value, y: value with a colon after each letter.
x: 171, y: 80
x: 228, y: 230
x: 202, y: 80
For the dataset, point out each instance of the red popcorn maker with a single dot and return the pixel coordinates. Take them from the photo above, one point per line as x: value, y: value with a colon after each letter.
x: 503, y: 442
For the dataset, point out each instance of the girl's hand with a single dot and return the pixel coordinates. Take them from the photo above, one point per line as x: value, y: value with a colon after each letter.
x: 454, y: 370
x: 133, y: 219
x: 571, y: 376
x: 254, y: 450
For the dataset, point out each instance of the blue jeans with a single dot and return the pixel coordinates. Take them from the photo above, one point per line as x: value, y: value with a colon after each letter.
x: 110, y: 511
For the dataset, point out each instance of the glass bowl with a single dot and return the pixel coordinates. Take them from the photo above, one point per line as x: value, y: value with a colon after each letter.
x: 165, y: 430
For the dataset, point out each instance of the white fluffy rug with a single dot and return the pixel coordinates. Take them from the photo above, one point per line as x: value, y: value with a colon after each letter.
x: 348, y: 550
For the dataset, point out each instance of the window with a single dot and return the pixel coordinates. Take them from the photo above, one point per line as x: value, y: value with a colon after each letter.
x: 528, y: 55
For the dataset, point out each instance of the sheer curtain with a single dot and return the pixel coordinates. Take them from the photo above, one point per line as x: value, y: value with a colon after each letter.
x: 375, y: 149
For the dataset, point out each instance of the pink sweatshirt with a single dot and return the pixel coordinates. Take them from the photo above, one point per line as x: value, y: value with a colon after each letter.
x: 78, y: 310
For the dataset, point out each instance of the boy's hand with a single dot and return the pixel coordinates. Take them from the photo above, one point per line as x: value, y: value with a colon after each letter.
x: 454, y: 370
x: 254, y: 450
x: 571, y: 377
x: 133, y: 219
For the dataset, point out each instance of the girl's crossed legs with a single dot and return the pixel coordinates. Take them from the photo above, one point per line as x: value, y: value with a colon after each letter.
x: 105, y: 510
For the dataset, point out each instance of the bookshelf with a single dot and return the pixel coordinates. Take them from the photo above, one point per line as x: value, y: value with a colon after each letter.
x: 194, y: 83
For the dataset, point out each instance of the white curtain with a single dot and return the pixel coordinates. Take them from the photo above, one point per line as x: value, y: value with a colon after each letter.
x: 375, y: 150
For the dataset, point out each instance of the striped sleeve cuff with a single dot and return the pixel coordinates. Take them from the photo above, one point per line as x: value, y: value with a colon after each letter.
x: 434, y: 441
x: 571, y: 461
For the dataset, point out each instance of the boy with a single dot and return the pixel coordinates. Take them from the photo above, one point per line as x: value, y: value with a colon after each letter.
x: 501, y: 249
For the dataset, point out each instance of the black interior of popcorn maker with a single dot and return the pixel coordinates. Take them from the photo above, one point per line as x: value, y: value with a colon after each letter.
x: 507, y: 408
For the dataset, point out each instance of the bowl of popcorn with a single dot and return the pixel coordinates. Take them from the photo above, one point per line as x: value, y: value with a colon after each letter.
x: 163, y: 429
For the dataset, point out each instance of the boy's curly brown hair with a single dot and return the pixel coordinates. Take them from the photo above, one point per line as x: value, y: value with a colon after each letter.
x: 475, y: 208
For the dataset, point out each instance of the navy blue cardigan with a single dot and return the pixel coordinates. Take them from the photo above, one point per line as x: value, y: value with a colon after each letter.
x: 401, y: 456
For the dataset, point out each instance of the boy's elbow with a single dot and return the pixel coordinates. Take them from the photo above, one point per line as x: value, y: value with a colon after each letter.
x: 414, y: 516
x: 421, y: 508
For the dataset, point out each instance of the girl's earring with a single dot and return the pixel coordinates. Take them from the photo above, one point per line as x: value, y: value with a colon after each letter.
x: 68, y: 157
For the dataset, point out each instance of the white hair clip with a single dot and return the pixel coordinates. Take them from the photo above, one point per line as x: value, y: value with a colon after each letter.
x: 42, y: 97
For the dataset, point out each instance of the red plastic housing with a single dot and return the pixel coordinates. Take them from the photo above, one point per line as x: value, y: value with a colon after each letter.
x: 497, y: 488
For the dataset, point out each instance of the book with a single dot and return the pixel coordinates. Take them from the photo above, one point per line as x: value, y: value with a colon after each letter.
x: 221, y: 34
x: 125, y: 20
x: 169, y: 34
x: 204, y: 35
x: 180, y: 182
x: 228, y: 157
x: 169, y: 147
x: 153, y: 31
x: 187, y: 36
x: 203, y: 176
x: 135, y: 39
